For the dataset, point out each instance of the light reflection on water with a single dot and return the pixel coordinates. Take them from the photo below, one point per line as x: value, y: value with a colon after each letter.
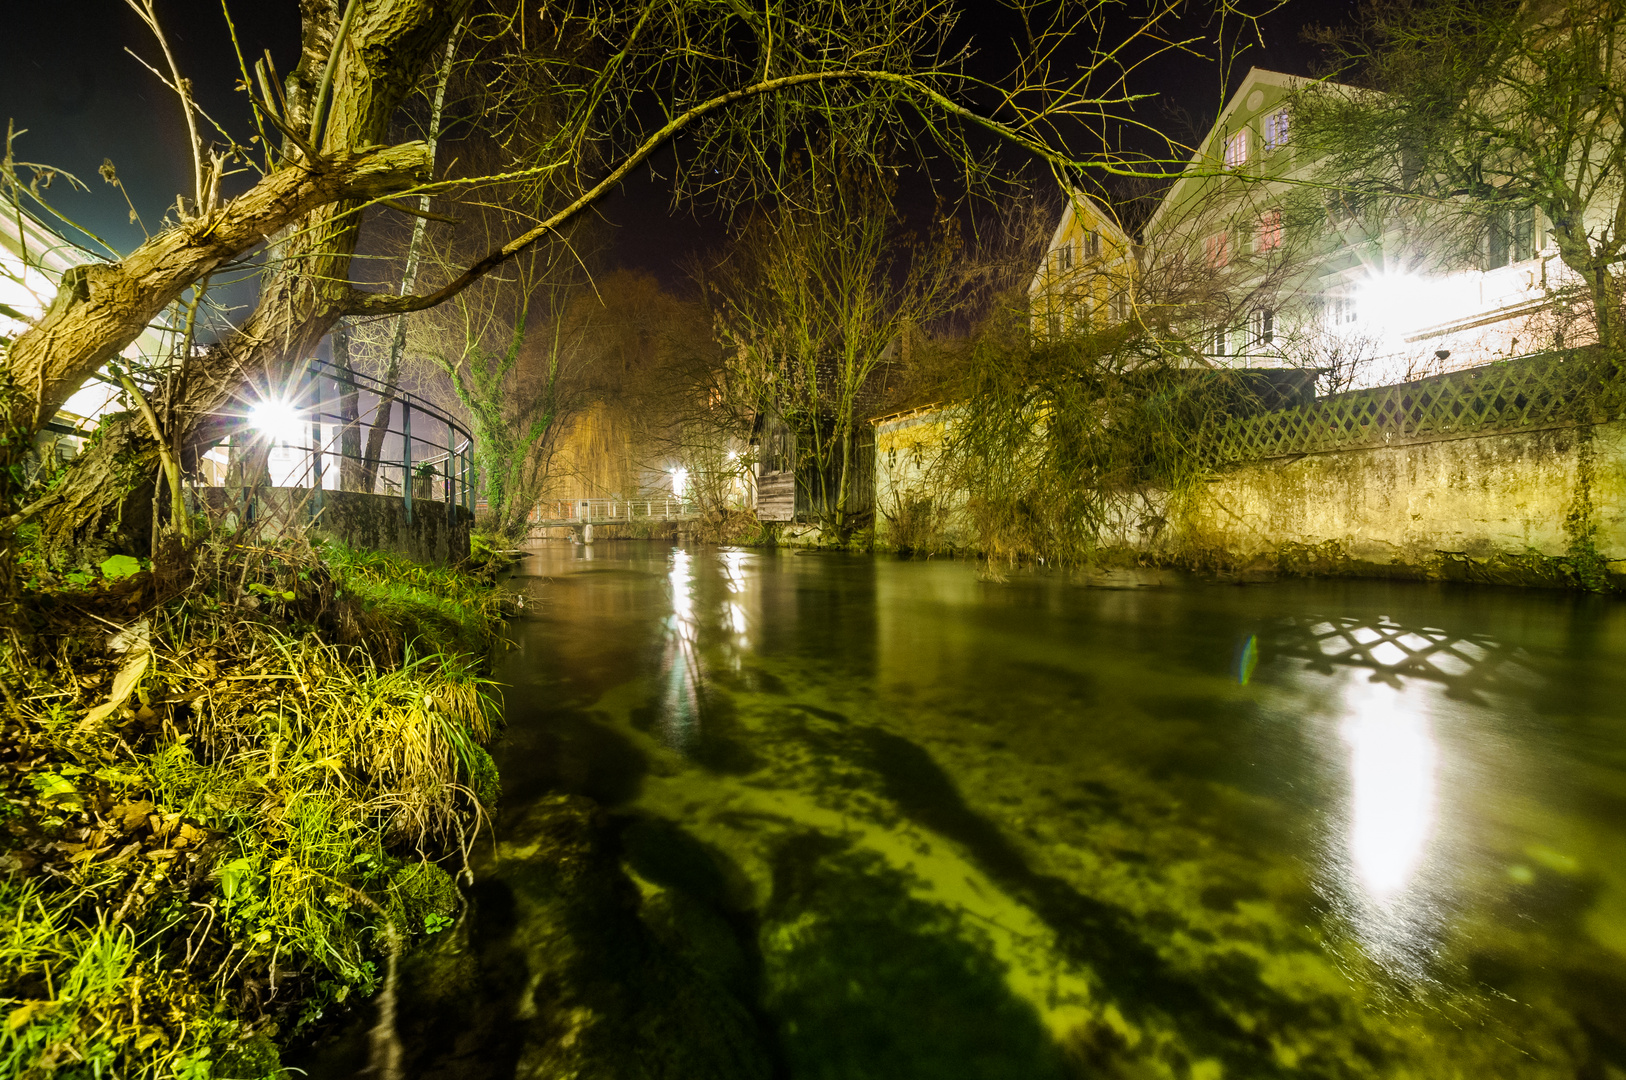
x: 680, y: 661
x: 1391, y: 818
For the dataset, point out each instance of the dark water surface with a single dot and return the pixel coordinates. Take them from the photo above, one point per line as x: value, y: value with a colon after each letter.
x: 942, y: 827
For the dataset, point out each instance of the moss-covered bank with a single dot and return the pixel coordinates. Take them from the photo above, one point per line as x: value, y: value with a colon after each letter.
x: 228, y: 782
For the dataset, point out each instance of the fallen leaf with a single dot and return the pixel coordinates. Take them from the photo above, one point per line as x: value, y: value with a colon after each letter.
x: 27, y: 1011
x: 123, y: 683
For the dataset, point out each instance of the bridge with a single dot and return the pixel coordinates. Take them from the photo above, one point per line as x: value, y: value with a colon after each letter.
x: 583, y: 514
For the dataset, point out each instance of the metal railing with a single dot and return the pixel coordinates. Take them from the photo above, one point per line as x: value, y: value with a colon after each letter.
x: 604, y: 511
x: 423, y: 447
x: 1527, y: 394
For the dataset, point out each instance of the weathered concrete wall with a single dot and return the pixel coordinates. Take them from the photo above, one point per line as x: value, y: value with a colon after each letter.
x: 437, y: 533
x: 1423, y: 509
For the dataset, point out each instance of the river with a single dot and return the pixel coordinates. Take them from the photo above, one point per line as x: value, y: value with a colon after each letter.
x: 924, y: 824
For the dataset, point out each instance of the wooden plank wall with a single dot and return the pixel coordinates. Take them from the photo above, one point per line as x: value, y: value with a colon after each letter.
x: 776, y: 496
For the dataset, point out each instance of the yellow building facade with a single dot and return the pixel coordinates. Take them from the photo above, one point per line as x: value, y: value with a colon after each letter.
x: 1086, y: 279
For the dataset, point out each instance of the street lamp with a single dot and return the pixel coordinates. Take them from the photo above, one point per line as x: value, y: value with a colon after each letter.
x: 277, y: 419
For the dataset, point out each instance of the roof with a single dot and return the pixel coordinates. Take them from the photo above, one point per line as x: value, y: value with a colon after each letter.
x: 1069, y: 215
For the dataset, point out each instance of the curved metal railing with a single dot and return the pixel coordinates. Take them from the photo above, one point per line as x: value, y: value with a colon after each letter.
x: 329, y: 414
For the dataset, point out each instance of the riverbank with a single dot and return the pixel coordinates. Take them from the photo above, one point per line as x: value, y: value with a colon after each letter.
x: 233, y: 786
x: 1540, y: 508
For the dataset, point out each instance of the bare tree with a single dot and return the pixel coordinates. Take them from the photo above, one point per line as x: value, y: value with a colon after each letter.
x: 506, y: 348
x: 812, y: 300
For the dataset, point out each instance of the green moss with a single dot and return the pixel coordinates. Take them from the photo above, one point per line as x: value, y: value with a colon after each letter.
x: 423, y: 897
x: 482, y: 776
x: 452, y: 609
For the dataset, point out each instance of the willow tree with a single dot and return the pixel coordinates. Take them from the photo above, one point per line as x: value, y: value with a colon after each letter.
x: 1466, y: 116
x: 619, y: 81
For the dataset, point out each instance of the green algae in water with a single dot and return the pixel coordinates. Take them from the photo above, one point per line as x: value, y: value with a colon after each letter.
x: 920, y: 825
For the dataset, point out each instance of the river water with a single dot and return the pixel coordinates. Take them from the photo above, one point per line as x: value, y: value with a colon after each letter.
x: 1027, y: 828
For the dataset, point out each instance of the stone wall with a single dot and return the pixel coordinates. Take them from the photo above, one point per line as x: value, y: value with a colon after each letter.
x: 437, y: 533
x: 1534, y: 507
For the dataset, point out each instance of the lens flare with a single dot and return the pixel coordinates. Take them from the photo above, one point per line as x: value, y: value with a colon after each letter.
x: 277, y: 419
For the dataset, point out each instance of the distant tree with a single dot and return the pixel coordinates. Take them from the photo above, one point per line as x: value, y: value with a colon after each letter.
x: 809, y: 304
x: 1469, y: 116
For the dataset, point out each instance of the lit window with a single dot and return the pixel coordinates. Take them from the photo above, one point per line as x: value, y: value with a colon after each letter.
x: 1274, y: 129
x: 1219, y: 249
x: 1236, y: 149
x: 1262, y: 326
x: 1270, y: 231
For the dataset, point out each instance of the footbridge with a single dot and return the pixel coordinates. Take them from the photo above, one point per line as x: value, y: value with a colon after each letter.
x: 582, y: 515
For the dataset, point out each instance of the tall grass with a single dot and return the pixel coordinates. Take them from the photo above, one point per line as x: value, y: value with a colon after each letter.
x: 221, y: 859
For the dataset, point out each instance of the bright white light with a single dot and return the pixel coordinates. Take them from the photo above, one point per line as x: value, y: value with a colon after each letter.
x: 1392, y: 765
x: 680, y: 481
x: 277, y: 419
x: 1394, y: 303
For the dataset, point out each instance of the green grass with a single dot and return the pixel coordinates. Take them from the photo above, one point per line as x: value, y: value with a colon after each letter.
x: 218, y: 861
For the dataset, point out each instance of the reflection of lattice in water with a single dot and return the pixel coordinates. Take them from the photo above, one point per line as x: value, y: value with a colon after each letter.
x: 1463, y: 662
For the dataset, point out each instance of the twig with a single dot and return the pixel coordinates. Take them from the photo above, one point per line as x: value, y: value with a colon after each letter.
x: 30, y: 510
x: 403, y: 208
x: 172, y: 468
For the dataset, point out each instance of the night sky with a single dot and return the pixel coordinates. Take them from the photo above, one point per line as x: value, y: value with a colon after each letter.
x: 67, y: 79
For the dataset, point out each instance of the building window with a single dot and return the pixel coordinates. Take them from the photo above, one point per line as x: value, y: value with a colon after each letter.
x: 1270, y: 231
x: 1339, y: 310
x: 1064, y: 256
x: 1216, y: 341
x: 1083, y: 313
x: 1218, y: 248
x: 1236, y: 149
x: 1118, y: 305
x: 1512, y: 237
x: 1092, y: 244
x: 1262, y: 326
x: 1274, y: 130
x: 1053, y: 324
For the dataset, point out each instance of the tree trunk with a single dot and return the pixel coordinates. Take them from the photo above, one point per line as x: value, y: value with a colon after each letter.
x: 350, y: 464
x: 107, y: 498
x: 104, y: 308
